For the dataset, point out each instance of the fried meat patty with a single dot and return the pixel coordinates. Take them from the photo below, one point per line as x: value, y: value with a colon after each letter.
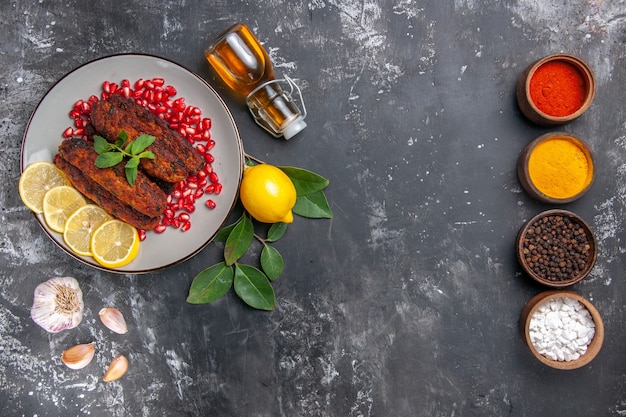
x: 93, y: 191
x: 144, y: 197
x: 174, y: 157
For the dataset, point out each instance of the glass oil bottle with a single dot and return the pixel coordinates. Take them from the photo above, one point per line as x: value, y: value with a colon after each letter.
x: 244, y: 65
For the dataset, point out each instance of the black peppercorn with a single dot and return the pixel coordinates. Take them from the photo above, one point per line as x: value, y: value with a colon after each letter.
x: 556, y: 248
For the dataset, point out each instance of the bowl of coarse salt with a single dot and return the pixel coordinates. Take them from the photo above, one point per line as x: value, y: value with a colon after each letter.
x: 562, y: 329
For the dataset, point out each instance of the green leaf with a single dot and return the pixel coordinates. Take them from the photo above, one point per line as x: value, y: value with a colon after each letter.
x: 239, y: 240
x: 122, y: 136
x: 254, y: 288
x: 100, y: 145
x: 313, y: 206
x: 272, y: 262
x: 141, y: 143
x: 276, y: 231
x: 224, y: 232
x: 146, y: 154
x: 211, y: 284
x: 108, y: 159
x: 131, y: 175
x: 306, y: 182
x: 132, y: 162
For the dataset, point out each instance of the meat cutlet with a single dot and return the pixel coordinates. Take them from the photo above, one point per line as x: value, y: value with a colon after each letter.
x: 174, y: 157
x: 144, y: 197
x: 93, y: 191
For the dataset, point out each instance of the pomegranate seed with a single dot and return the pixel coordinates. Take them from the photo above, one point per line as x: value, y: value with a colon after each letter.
x: 106, y: 87
x: 68, y: 133
x: 218, y: 188
x: 192, y: 185
x: 175, y: 223
x: 149, y: 85
x: 166, y: 221
x: 213, y: 178
x: 209, y: 159
x: 189, y: 207
x: 142, y: 235
x: 184, y: 217
x: 158, y: 81
x: 125, y: 83
x: 79, y: 132
x: 139, y: 83
x: 210, y: 189
x: 160, y: 228
x: 186, y: 226
x: 74, y: 114
x: 203, y: 182
x: 171, y: 90
x: 210, y: 204
x: 92, y: 99
x: 210, y: 144
x: 199, y: 193
x: 126, y: 91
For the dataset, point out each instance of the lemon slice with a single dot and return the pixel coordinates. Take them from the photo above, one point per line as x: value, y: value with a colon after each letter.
x: 80, y: 226
x: 36, y: 180
x: 114, y: 243
x: 59, y: 203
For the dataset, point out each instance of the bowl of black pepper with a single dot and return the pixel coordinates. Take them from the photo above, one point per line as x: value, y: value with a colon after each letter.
x: 556, y: 248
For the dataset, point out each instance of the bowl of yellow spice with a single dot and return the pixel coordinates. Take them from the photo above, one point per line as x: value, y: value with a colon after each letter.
x: 556, y: 168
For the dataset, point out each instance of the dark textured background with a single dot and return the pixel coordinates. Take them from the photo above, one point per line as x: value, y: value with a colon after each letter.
x: 407, y: 302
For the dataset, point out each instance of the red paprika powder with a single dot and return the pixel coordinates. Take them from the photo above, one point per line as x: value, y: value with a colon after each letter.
x: 557, y: 88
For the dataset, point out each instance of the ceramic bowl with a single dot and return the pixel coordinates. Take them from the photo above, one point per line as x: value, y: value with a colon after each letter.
x: 528, y: 106
x: 533, y: 190
x: 529, y: 257
x: 592, y: 349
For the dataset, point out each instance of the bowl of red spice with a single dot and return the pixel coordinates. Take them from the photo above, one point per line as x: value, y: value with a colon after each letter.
x: 556, y: 89
x: 562, y: 329
x: 556, y: 168
x: 556, y: 248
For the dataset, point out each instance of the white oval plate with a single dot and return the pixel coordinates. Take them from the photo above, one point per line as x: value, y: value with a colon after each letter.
x: 51, y: 117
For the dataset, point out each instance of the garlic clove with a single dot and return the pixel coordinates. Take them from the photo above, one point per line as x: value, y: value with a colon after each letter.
x: 113, y: 319
x: 79, y: 356
x: 117, y: 369
x: 58, y: 304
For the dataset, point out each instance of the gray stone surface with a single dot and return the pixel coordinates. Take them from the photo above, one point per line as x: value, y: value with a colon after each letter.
x: 407, y: 302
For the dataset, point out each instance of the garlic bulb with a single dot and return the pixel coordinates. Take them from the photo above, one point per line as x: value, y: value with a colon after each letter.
x: 117, y: 369
x: 58, y: 304
x: 79, y: 356
x: 113, y: 319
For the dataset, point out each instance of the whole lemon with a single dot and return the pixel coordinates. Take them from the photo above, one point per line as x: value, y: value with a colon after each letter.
x: 267, y: 194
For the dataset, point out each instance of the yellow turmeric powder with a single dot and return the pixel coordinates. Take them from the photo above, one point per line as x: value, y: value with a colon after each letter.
x: 560, y: 167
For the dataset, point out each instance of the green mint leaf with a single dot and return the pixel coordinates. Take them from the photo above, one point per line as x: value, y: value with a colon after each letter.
x: 306, y: 182
x: 272, y: 262
x: 132, y: 162
x: 141, y: 143
x: 276, y: 231
x: 313, y: 206
x: 100, y: 145
x: 146, y: 154
x: 239, y: 241
x: 108, y: 159
x: 253, y: 287
x: 211, y: 284
x: 119, y: 143
x: 131, y: 175
x: 123, y: 136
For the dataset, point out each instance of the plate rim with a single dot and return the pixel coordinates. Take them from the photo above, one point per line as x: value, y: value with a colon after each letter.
x: 239, y: 146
